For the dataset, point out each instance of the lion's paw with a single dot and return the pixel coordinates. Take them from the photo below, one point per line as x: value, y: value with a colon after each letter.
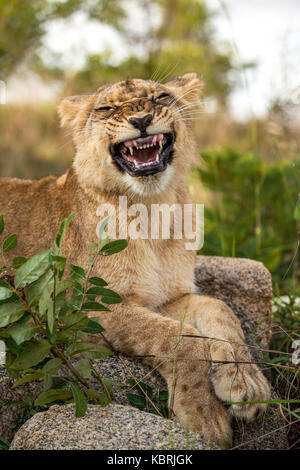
x: 200, y: 411
x: 241, y: 382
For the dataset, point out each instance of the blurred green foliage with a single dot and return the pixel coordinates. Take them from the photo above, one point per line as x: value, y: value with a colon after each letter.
x: 253, y: 211
x: 180, y: 40
x: 23, y: 25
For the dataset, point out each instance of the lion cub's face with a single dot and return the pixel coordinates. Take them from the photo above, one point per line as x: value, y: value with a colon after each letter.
x: 132, y: 135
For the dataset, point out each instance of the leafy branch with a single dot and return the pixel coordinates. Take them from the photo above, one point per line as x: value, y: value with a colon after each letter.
x: 44, y: 321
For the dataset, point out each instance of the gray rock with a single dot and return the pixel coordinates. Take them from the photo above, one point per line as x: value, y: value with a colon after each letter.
x: 113, y: 427
x: 243, y: 284
x: 8, y: 412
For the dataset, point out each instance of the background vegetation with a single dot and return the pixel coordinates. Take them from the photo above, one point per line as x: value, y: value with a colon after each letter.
x: 248, y: 174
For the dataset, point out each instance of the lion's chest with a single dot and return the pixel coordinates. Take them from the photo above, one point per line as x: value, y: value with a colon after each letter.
x: 150, y: 274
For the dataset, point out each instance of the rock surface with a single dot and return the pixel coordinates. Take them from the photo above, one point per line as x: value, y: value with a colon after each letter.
x: 245, y: 285
x: 113, y: 427
x: 8, y: 412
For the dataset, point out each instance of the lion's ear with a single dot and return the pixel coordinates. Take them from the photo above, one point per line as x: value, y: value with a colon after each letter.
x: 70, y: 107
x: 188, y: 86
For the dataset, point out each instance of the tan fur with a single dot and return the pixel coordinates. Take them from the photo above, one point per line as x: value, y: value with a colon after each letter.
x: 155, y: 277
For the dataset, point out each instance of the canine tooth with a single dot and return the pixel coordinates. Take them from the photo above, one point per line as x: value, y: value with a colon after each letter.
x: 160, y: 144
x: 131, y: 151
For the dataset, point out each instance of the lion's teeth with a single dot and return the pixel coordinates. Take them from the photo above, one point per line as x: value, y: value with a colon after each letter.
x: 160, y: 145
x: 131, y: 151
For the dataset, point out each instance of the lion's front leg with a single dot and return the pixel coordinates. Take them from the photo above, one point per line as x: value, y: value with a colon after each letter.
x: 183, y: 362
x: 233, y: 381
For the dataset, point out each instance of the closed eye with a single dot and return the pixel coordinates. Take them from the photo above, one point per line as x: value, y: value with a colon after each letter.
x: 104, y: 108
x: 162, y: 96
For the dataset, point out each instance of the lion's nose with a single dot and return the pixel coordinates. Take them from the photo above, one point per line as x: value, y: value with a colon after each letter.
x: 141, y: 122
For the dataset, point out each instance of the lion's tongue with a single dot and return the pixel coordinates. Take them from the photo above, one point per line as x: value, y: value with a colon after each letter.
x: 144, y: 155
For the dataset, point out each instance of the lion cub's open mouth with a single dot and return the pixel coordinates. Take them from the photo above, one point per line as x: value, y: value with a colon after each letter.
x: 144, y: 156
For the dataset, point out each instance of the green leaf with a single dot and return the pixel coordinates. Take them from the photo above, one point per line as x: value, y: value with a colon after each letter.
x: 47, y: 382
x: 32, y: 269
x: 60, y: 264
x: 75, y: 301
x: 52, y: 366
x: 36, y: 289
x: 45, y: 301
x: 10, y: 243
x: 100, y: 397
x: 75, y: 318
x: 137, y: 386
x: 297, y: 212
x: 52, y: 395
x: 38, y: 375
x: 78, y: 348
x: 22, y: 331
x: 84, y: 367
x: 1, y: 224
x: 80, y: 400
x: 62, y: 286
x: 18, y: 261
x: 94, y: 306
x: 137, y: 401
x: 77, y: 273
x: 109, y: 295
x: 51, y: 322
x: 62, y: 229
x: 9, y: 313
x: 4, y: 443
x: 69, y: 332
x: 92, y: 248
x: 102, y: 243
x: 93, y: 327
x: 4, y: 283
x: 32, y: 355
x: 103, y: 227
x: 163, y: 395
x: 5, y: 293
x: 97, y: 281
x: 98, y: 352
x: 113, y: 247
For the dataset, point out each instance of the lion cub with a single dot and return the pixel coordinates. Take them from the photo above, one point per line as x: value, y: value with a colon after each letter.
x: 134, y: 139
